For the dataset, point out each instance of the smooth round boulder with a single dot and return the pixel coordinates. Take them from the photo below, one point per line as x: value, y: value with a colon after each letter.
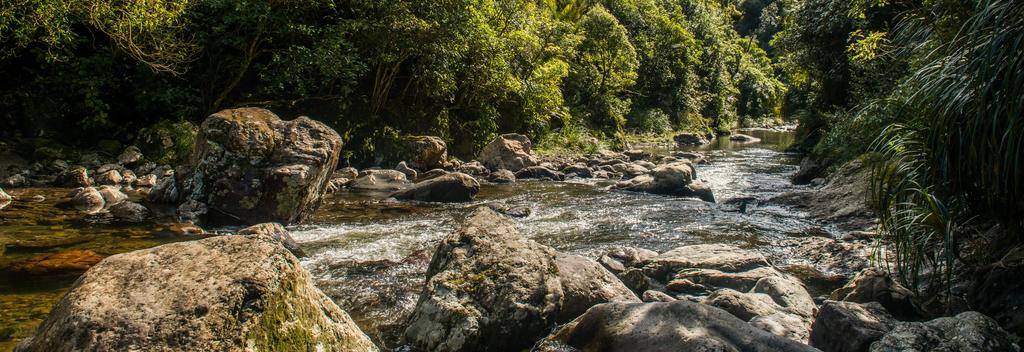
x: 689, y: 139
x: 426, y: 152
x: 677, y: 179
x: 455, y: 187
x: 226, y: 293
x: 109, y: 178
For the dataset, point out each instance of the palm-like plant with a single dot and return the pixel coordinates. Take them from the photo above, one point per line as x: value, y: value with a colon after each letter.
x: 958, y: 151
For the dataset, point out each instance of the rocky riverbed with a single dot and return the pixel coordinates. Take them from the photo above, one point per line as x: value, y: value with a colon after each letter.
x: 438, y: 254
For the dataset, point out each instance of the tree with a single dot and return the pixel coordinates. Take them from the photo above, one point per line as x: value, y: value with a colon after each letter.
x: 602, y: 72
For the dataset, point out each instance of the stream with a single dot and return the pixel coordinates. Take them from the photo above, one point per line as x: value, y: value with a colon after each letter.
x: 370, y: 254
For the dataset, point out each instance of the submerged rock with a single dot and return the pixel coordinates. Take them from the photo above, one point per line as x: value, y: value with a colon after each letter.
x: 968, y: 331
x: 451, y: 188
x: 227, y: 293
x: 742, y: 138
x: 488, y: 288
x: 129, y: 212
x: 668, y: 326
x: 71, y: 261
x: 254, y: 167
x: 512, y: 152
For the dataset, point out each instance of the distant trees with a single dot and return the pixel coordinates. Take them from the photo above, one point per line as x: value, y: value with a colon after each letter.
x: 462, y: 69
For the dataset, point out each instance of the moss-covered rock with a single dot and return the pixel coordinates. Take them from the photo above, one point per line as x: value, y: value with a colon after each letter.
x: 254, y: 167
x: 167, y: 142
x: 228, y: 293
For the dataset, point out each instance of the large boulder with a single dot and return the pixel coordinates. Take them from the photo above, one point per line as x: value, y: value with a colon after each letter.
x: 676, y: 179
x: 720, y: 257
x: 451, y: 188
x: 227, y: 293
x: 490, y: 289
x: 849, y: 326
x: 663, y: 326
x: 254, y: 167
x: 511, y: 151
x: 875, y: 285
x: 968, y: 331
x: 426, y: 152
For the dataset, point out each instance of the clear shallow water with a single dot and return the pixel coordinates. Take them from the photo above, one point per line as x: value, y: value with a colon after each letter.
x: 370, y: 254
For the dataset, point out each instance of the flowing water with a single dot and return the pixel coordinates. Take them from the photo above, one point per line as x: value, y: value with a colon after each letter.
x: 370, y: 254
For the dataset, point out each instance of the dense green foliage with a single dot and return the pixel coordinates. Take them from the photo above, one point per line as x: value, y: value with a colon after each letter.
x: 565, y: 71
x: 934, y: 87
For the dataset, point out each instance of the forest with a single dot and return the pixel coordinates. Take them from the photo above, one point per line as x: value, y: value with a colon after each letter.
x: 928, y: 94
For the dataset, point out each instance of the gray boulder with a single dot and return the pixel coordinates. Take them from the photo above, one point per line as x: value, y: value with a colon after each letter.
x: 512, y: 152
x: 474, y: 168
x: 502, y: 176
x: 490, y: 289
x: 254, y: 167
x: 662, y: 326
x: 451, y: 188
x: 227, y: 293
x: 968, y: 331
x: 405, y: 169
x: 849, y: 327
